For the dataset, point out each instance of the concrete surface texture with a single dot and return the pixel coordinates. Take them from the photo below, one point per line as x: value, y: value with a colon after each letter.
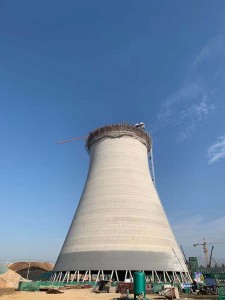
x: 120, y: 223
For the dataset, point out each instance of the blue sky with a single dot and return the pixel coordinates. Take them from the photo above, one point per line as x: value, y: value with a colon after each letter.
x: 67, y: 67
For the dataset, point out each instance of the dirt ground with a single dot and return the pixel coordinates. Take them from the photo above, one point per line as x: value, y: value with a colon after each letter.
x: 75, y: 294
x: 85, y: 294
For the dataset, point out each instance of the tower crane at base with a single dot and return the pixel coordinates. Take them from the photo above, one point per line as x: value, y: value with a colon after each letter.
x: 206, y: 251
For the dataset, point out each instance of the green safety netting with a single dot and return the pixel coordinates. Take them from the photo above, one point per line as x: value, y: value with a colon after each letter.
x: 35, y: 285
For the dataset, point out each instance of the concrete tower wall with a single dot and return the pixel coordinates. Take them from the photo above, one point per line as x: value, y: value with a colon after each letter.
x: 120, y: 223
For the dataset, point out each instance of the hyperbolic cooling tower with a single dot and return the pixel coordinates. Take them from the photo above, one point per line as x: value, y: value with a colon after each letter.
x: 120, y: 223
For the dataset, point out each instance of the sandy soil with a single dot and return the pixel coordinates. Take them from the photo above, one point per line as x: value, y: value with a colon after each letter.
x: 77, y: 294
x: 85, y: 294
x: 9, y: 279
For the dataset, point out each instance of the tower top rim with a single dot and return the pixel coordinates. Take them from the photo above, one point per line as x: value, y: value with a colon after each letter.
x: 118, y: 130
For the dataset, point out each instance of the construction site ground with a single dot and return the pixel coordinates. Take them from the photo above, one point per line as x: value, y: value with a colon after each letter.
x: 79, y: 294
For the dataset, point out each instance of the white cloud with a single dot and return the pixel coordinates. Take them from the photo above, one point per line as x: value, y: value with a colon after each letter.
x: 191, y: 105
x: 192, y: 116
x: 188, y: 107
x: 214, y: 47
x: 217, y: 150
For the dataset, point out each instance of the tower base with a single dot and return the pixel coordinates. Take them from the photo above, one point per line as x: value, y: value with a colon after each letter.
x: 116, y: 276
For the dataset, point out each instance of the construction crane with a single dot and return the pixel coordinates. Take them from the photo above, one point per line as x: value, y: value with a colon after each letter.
x: 140, y: 126
x: 185, y: 258
x: 206, y: 251
x: 210, y: 258
x: 72, y: 140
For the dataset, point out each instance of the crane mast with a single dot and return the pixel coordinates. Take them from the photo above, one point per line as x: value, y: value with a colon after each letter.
x: 206, y: 251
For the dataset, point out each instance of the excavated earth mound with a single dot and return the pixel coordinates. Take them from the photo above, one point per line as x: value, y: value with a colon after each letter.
x: 33, y: 264
x: 31, y: 270
x: 10, y: 279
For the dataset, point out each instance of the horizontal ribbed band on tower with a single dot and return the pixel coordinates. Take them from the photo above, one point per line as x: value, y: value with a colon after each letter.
x: 119, y: 260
